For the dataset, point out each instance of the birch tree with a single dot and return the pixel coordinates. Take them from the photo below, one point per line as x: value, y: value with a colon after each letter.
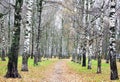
x: 37, y: 56
x: 100, y: 39
x: 112, y: 49
x: 12, y: 71
x: 27, y: 34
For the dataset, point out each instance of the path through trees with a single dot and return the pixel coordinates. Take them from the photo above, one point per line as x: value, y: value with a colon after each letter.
x: 83, y: 30
x: 61, y: 73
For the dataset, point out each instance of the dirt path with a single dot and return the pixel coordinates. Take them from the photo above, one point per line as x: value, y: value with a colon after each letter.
x: 61, y: 73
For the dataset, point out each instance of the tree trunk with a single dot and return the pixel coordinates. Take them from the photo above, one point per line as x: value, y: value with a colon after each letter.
x: 100, y: 39
x: 34, y: 23
x: 39, y: 7
x: 113, y: 67
x: 39, y: 56
x: 89, y: 62
x: 3, y: 55
x: 90, y: 54
x: 60, y: 53
x: 32, y: 47
x: 12, y: 71
x: 112, y: 49
x: 35, y: 59
x: 73, y: 57
x: 99, y: 64
x: 79, y: 58
x: 32, y: 38
x: 27, y: 35
x: 90, y: 35
x: 85, y: 24
x: 84, y: 58
x: 3, y: 40
x: 107, y: 58
x: 24, y: 62
x: 99, y: 55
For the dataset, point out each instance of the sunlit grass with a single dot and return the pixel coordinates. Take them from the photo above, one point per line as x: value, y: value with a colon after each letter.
x: 91, y: 75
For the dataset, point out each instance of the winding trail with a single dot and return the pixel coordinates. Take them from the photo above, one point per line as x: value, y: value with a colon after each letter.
x: 61, y: 73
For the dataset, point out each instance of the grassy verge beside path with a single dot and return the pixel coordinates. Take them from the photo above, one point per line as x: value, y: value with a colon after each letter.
x: 90, y: 75
x: 35, y: 73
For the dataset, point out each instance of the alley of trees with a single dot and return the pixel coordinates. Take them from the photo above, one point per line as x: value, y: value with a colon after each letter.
x: 80, y: 30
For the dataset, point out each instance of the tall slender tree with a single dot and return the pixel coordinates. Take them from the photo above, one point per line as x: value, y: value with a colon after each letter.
x: 112, y: 49
x: 100, y: 39
x: 85, y: 24
x: 2, y: 39
x: 28, y: 27
x: 37, y: 56
x: 12, y: 71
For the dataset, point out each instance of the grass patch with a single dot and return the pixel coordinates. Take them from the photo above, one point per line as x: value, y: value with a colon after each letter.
x: 3, y: 67
x: 34, y: 73
x: 91, y: 75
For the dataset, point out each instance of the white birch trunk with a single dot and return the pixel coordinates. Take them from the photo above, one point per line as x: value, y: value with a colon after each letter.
x: 112, y: 40
x: 27, y: 36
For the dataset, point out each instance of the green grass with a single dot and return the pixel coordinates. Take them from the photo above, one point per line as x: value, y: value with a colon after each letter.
x: 41, y: 65
x: 91, y: 75
x: 3, y: 67
x: 37, y: 72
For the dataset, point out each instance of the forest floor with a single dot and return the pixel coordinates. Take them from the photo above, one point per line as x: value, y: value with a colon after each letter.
x: 61, y: 73
x: 54, y: 71
x: 35, y: 73
x: 63, y: 70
